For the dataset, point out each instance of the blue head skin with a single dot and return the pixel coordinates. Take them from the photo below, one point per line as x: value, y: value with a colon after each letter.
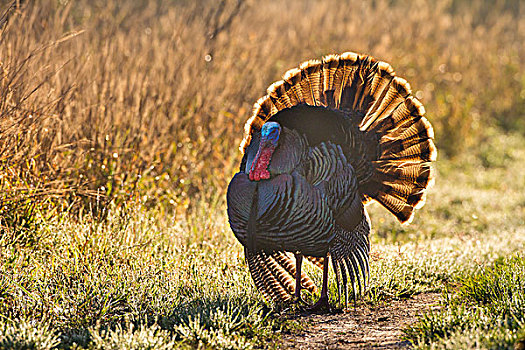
x: 270, y: 132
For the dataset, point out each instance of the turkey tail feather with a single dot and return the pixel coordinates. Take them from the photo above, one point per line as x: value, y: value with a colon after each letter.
x: 350, y: 258
x: 274, y: 275
x: 319, y: 262
x: 397, y: 140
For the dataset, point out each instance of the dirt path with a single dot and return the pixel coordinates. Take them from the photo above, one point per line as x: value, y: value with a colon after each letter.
x: 366, y: 327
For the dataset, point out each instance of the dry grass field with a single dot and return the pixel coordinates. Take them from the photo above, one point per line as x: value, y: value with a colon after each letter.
x: 119, y: 130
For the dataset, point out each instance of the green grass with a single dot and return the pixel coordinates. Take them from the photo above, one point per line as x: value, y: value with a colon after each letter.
x: 88, y: 283
x: 145, y: 278
x: 486, y: 310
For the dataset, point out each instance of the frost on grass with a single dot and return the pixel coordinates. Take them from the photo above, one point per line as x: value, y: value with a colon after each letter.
x: 21, y: 334
x: 141, y: 337
x: 102, y: 284
x: 406, y: 269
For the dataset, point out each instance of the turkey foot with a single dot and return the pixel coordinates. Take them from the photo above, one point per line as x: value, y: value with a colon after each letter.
x: 323, y: 305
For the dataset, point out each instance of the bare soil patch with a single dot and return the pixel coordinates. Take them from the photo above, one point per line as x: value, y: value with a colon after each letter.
x: 365, y: 327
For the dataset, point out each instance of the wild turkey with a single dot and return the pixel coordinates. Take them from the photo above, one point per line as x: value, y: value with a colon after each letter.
x: 324, y: 141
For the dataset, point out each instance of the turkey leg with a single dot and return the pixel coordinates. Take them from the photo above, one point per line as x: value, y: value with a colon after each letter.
x: 323, y: 304
x: 298, y: 264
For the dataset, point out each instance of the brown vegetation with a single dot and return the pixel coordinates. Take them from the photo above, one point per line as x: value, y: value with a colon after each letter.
x: 119, y: 98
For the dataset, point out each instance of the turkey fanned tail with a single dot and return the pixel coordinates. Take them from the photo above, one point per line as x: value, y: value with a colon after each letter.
x: 350, y: 253
x: 358, y: 102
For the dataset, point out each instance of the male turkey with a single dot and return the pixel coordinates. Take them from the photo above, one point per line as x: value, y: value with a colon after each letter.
x: 324, y: 141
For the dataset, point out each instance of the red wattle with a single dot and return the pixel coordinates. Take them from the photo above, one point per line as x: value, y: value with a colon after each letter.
x: 259, y: 169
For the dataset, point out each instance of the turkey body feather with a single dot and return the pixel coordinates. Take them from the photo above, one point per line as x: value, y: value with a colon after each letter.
x: 298, y: 206
x: 328, y: 138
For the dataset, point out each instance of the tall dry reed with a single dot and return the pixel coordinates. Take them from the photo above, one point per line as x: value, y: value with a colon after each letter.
x: 148, y: 98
